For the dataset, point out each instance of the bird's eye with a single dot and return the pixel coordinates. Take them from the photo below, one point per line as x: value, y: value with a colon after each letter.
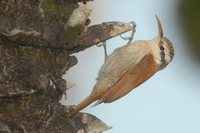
x: 162, y: 48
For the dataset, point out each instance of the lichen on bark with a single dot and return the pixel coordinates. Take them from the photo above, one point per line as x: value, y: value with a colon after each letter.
x: 36, y: 43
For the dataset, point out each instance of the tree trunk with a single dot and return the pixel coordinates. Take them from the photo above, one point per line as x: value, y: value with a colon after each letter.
x: 37, y: 38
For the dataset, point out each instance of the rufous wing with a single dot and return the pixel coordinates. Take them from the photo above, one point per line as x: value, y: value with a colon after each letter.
x: 134, y: 77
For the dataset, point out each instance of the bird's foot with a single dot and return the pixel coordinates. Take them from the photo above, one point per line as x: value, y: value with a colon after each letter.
x: 105, y: 50
x: 132, y: 34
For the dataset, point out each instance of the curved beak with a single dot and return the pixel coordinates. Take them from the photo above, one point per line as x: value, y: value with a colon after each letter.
x: 160, y: 30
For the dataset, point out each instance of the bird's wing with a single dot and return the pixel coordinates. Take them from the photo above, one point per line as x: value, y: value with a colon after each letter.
x: 135, y: 76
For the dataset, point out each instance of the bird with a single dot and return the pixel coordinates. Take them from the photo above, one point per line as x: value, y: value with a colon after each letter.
x: 127, y: 67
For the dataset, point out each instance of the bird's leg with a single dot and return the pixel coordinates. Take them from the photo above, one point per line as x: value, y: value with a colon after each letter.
x: 132, y: 34
x: 105, y: 50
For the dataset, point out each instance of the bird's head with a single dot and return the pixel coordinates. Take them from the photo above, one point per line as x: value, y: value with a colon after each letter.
x: 162, y: 48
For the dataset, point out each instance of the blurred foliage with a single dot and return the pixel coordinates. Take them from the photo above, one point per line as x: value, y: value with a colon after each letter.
x: 191, y: 15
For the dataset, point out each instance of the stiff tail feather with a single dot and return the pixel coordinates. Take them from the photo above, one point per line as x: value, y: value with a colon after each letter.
x: 83, y: 104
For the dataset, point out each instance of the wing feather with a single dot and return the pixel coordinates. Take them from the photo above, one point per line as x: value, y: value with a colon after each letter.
x: 131, y: 79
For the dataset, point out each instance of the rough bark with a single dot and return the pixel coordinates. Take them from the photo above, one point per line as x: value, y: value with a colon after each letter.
x: 36, y: 43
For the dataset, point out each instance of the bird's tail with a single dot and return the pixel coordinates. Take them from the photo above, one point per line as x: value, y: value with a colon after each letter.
x: 83, y: 104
